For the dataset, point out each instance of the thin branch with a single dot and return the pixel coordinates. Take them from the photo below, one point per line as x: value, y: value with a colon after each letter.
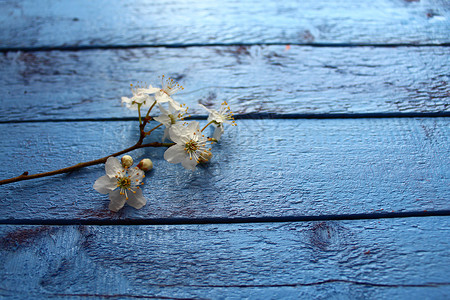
x: 150, y: 131
x: 148, y: 113
x: 138, y: 145
x: 206, y: 126
x: 139, y: 113
x: 156, y: 144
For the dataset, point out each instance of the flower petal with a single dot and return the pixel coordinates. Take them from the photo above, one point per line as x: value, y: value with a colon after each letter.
x: 163, y: 119
x: 215, y: 116
x: 218, y: 132
x: 175, y: 154
x: 105, y: 184
x: 166, y: 134
x: 149, y: 90
x: 140, y: 98
x: 162, y: 97
x: 193, y: 127
x: 149, y: 102
x: 126, y: 100
x: 129, y: 103
x: 178, y: 134
x: 136, y: 200
x: 189, y: 164
x: 113, y: 166
x: 176, y: 105
x: 117, y: 200
x: 136, y: 175
x: 204, y: 107
x: 163, y: 110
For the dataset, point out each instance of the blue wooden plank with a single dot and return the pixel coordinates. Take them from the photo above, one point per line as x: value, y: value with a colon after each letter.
x: 366, y: 259
x: 28, y: 23
x: 61, y: 85
x: 260, y: 168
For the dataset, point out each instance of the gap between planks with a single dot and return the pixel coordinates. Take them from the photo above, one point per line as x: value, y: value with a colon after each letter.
x: 242, y: 286
x: 260, y: 116
x: 182, y: 46
x: 243, y: 220
x: 298, y: 284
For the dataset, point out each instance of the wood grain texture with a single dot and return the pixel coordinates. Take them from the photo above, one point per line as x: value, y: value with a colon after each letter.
x: 260, y: 168
x: 89, y: 84
x: 384, y: 259
x: 53, y: 23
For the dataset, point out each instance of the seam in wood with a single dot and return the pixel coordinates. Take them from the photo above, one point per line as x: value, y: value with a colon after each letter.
x: 293, y: 285
x: 297, y: 284
x: 259, y: 116
x: 85, y: 295
x: 134, y: 46
x: 242, y: 220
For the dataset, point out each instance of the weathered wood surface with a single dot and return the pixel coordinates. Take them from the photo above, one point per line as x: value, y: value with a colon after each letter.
x: 260, y: 168
x: 248, y: 53
x: 89, y: 84
x: 365, y: 259
x: 28, y: 23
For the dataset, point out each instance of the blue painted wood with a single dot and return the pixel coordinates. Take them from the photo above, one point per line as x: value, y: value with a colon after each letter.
x: 366, y: 259
x: 270, y: 168
x: 260, y: 168
x: 89, y: 84
x: 29, y: 23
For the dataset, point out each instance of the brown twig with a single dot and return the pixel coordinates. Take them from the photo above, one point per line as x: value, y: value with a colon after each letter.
x: 156, y: 127
x: 138, y: 145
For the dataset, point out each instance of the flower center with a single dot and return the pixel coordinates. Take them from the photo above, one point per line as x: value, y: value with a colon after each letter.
x: 225, y: 112
x: 191, y: 146
x: 173, y: 119
x: 169, y: 86
x: 124, y: 182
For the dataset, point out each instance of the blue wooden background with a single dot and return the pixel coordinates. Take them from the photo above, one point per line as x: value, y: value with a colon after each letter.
x: 335, y: 184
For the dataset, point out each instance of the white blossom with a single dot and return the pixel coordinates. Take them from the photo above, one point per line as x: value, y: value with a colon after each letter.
x: 141, y: 96
x: 122, y: 185
x: 190, y: 145
x: 168, y: 88
x: 218, y: 118
x: 146, y: 96
x: 218, y: 131
x: 171, y: 117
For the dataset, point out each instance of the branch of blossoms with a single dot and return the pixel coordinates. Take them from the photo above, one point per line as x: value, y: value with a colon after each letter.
x: 189, y: 145
x: 26, y: 176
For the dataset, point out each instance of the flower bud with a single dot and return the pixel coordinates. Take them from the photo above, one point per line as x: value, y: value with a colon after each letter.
x: 145, y: 164
x: 127, y: 161
x: 205, y: 157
